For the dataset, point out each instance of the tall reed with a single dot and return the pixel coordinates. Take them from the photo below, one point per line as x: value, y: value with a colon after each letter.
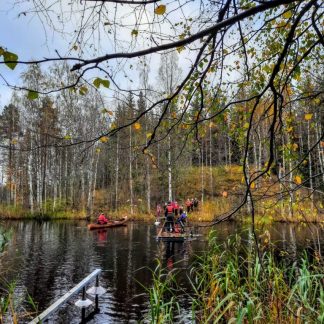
x: 233, y: 283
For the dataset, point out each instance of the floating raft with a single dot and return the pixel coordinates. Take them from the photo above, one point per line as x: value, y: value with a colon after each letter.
x: 170, y: 236
x: 109, y: 224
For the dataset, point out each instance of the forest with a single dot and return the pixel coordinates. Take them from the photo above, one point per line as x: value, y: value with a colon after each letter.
x: 56, y: 156
x: 117, y: 107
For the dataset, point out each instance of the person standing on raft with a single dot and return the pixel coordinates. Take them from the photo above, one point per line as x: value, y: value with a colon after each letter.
x: 169, y: 215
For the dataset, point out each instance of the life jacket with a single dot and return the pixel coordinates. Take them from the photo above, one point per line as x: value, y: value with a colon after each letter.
x: 176, y: 206
x: 102, y: 219
x: 169, y: 209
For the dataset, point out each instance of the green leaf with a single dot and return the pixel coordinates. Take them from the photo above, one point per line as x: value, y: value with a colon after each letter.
x: 10, y: 59
x: 134, y: 32
x: 105, y: 83
x: 98, y: 82
x: 83, y: 90
x: 32, y: 95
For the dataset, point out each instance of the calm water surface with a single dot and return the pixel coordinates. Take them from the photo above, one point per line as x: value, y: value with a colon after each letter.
x: 49, y: 258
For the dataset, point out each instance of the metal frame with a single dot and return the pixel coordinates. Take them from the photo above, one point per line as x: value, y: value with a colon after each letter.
x: 66, y: 297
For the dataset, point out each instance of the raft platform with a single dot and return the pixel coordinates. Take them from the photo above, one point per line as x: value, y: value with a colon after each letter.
x: 163, y: 235
x: 171, y: 237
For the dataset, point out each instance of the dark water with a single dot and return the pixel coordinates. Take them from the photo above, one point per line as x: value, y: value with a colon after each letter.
x: 47, y: 259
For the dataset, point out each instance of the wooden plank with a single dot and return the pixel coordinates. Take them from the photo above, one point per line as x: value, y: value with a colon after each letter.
x: 65, y: 298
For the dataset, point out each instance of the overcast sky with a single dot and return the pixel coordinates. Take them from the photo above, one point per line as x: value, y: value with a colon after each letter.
x: 29, y: 39
x: 25, y: 36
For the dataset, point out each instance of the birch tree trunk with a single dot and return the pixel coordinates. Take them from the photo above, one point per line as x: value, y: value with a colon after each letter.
x: 148, y: 181
x: 202, y: 172
x: 210, y: 164
x: 320, y: 150
x: 169, y: 170
x: 82, y: 186
x: 310, y: 163
x: 131, y: 171
x: 90, y: 191
x: 30, y: 180
x: 117, y: 172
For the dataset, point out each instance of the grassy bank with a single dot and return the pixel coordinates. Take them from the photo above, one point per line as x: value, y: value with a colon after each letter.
x: 231, y: 284
x: 19, y: 212
x: 223, y: 191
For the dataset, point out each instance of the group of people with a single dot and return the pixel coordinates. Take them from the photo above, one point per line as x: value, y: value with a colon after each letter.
x: 175, y: 213
x: 192, y: 204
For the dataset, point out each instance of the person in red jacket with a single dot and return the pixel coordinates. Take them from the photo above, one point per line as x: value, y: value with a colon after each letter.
x: 102, y: 219
x: 169, y: 214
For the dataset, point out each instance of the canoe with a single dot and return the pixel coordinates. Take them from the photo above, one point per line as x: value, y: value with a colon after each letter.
x: 109, y: 224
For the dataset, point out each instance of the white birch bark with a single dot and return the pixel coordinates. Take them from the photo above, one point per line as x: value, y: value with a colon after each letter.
x: 30, y: 180
x: 117, y: 172
x: 169, y: 170
x: 131, y: 171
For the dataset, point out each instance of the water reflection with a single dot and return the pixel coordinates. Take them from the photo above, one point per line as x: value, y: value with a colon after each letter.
x: 47, y: 259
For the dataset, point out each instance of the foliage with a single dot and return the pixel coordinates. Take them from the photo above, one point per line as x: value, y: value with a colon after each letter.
x: 236, y: 284
x: 239, y: 82
x: 164, y: 307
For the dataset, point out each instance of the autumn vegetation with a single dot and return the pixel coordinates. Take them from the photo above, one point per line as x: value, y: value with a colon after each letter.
x: 239, y: 126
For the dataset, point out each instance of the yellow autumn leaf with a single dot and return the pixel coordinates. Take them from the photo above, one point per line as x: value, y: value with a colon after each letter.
x: 290, y: 129
x: 317, y: 101
x: 295, y: 146
x: 160, y: 10
x: 104, y: 139
x: 98, y: 150
x: 137, y: 126
x: 106, y: 111
x: 148, y: 135
x: 180, y: 49
x: 298, y: 180
x: 308, y: 116
x: 252, y: 185
x: 246, y: 125
x: 225, y: 194
x: 287, y: 14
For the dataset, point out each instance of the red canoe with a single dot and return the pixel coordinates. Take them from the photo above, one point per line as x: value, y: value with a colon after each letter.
x: 109, y: 224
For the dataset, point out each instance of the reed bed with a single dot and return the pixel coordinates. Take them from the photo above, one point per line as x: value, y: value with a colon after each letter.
x: 234, y: 283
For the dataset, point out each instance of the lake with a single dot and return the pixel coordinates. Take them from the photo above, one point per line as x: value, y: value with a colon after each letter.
x: 46, y: 259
